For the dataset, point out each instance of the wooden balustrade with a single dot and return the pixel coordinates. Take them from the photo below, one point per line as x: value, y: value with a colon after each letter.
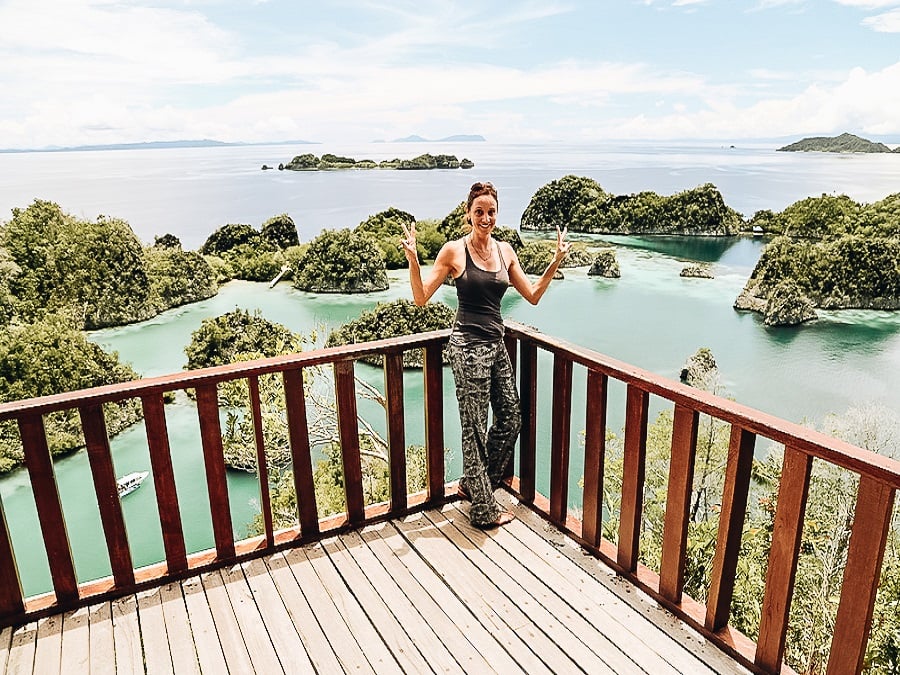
x: 879, y: 481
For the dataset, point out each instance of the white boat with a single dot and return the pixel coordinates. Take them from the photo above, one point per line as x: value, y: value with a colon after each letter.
x: 130, y: 482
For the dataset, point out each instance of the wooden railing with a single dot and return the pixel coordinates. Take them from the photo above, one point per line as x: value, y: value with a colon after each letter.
x: 879, y: 480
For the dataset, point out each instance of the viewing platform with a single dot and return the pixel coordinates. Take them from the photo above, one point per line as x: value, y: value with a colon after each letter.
x: 408, y: 585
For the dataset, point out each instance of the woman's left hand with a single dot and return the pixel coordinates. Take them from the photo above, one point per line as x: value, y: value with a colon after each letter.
x: 562, y: 246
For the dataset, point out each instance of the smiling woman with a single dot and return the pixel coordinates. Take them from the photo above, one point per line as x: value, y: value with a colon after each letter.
x: 481, y: 365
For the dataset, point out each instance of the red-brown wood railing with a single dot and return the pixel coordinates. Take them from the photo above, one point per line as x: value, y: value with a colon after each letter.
x: 879, y: 480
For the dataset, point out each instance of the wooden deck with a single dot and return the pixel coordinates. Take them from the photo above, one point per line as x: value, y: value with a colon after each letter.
x: 425, y: 594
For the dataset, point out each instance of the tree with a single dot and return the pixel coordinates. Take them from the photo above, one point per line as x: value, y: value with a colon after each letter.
x: 340, y: 261
x: 229, y: 237
x: 392, y: 319
x: 280, y: 231
x: 52, y: 356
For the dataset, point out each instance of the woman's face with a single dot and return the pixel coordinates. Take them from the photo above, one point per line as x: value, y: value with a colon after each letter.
x: 483, y: 213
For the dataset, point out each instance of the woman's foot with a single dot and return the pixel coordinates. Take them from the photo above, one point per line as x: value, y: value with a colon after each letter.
x: 503, y: 518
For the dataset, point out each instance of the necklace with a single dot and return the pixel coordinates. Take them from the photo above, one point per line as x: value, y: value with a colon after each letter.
x: 485, y: 258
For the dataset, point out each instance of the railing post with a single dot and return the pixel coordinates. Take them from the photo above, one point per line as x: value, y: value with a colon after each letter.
x: 396, y: 430
x: 528, y: 435
x: 49, y: 509
x: 678, y: 503
x: 434, y: 419
x: 783, y: 557
x: 731, y: 526
x: 214, y: 462
x: 11, y: 596
x: 301, y: 458
x: 633, y: 466
x: 862, y: 574
x: 348, y: 428
x: 594, y: 457
x: 100, y: 459
x: 561, y: 420
x: 262, y: 466
x: 164, y: 481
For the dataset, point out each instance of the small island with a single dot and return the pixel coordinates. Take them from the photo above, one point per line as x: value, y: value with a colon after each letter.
x: 329, y: 162
x: 843, y: 143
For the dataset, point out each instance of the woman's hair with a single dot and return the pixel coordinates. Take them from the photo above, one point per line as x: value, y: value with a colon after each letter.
x: 479, y: 189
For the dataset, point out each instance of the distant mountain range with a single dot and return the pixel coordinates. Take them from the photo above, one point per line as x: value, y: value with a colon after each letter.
x: 152, y: 145
x: 458, y: 138
x: 843, y: 143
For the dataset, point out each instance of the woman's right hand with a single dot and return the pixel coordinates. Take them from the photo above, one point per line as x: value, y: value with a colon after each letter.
x: 408, y: 243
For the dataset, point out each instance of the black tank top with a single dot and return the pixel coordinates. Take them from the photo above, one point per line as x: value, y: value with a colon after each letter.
x: 479, y: 293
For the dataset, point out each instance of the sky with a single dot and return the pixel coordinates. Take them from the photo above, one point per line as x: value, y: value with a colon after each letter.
x: 77, y: 72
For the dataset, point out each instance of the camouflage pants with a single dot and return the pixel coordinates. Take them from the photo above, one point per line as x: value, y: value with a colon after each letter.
x: 484, y: 378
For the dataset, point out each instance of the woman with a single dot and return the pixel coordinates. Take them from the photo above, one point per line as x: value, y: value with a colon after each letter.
x: 482, y: 268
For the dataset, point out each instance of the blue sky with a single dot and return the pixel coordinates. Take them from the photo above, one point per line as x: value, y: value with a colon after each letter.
x: 78, y: 72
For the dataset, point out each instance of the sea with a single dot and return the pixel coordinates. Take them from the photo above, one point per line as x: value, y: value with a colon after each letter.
x: 651, y: 317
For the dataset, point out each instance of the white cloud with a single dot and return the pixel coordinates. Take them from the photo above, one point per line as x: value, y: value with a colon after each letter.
x: 888, y: 22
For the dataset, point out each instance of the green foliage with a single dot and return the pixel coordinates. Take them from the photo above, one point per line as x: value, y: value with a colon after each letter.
x: 823, y: 550
x: 222, y: 339
x: 454, y: 224
x: 248, y: 254
x: 8, y: 271
x: 228, y: 237
x: 582, y: 205
x: 178, y: 277
x: 535, y: 256
x: 341, y: 261
x: 562, y: 202
x: 167, y: 241
x: 818, y: 217
x: 328, y: 479
x: 429, y: 240
x: 839, y: 253
x: 843, y: 143
x: 386, y: 228
x: 392, y: 319
x: 52, y: 356
x: 280, y: 231
x: 96, y: 271
x: 509, y: 235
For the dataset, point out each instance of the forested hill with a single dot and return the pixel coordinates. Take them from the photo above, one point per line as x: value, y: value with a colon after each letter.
x: 842, y: 143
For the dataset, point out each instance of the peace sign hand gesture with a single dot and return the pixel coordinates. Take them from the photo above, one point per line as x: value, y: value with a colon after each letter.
x: 408, y: 243
x: 562, y: 246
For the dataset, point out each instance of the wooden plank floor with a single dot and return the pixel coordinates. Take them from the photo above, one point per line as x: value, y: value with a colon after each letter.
x: 429, y: 594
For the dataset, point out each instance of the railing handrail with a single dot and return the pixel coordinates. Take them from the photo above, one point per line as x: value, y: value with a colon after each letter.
x: 815, y: 443
x: 188, y: 379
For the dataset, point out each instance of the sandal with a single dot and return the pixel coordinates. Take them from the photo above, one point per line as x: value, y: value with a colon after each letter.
x: 462, y: 493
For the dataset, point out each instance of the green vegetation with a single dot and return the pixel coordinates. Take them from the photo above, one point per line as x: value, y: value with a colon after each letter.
x: 341, y: 261
x: 392, y: 319
x: 238, y: 251
x: 386, y: 228
x: 823, y: 550
x: 240, y: 336
x: 837, y: 254
x: 582, y: 205
x: 52, y: 356
x: 843, y: 143
x: 309, y: 162
x: 94, y: 271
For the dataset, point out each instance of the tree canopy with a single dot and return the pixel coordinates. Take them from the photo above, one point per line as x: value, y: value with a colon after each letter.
x: 580, y: 204
x: 342, y: 261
